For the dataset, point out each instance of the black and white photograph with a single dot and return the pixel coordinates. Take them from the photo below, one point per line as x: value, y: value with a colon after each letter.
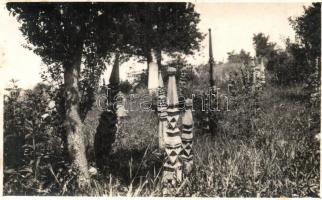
x: 160, y: 99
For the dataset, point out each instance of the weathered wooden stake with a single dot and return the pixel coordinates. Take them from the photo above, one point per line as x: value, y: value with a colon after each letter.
x: 187, y: 137
x: 114, y: 81
x: 186, y: 154
x: 207, y: 129
x: 162, y: 111
x: 211, y: 64
x: 108, y: 122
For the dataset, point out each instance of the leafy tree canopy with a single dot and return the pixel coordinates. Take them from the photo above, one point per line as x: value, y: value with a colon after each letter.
x: 308, y: 29
x: 168, y: 27
x: 263, y: 47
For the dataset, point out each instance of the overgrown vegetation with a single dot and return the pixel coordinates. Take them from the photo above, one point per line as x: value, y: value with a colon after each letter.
x: 279, y: 156
x: 265, y: 142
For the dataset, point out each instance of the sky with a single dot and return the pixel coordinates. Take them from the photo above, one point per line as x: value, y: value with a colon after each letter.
x: 232, y: 24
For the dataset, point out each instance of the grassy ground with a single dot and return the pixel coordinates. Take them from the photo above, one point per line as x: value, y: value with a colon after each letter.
x: 280, y: 158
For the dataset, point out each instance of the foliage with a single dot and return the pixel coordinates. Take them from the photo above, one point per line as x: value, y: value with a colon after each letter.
x: 74, y: 36
x: 53, y: 29
x: 298, y: 60
x: 141, y: 81
x: 30, y: 130
x: 167, y: 27
x: 13, y: 118
x: 68, y: 24
x: 125, y: 87
x: 280, y: 158
x: 265, y: 146
x: 241, y: 57
x: 308, y: 30
x: 243, y: 99
x: 263, y: 47
x: 291, y: 61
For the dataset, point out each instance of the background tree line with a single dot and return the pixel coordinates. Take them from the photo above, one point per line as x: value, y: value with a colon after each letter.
x: 299, y: 60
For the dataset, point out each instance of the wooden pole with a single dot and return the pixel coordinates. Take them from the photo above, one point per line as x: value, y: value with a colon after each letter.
x: 211, y: 62
x: 172, y: 174
x: 162, y: 111
x: 212, y: 89
x: 187, y: 138
x: 114, y: 81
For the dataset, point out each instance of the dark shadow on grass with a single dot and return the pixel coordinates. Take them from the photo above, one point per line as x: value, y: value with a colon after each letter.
x: 130, y: 164
x: 293, y: 97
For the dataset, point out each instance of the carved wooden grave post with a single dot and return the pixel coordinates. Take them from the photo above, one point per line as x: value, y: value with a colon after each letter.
x: 172, y: 171
x: 187, y: 137
x: 162, y: 111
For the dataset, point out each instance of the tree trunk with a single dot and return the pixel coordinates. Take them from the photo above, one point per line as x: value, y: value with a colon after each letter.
x: 73, y: 122
x: 159, y: 58
x: 149, y: 59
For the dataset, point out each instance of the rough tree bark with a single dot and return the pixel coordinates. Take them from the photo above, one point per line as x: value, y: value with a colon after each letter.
x: 149, y: 59
x: 159, y: 57
x: 73, y: 123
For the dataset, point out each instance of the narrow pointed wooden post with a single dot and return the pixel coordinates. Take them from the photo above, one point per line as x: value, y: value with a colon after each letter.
x: 108, y: 123
x: 211, y: 64
x: 212, y: 89
x: 187, y: 137
x: 115, y: 74
x: 172, y: 174
x: 118, y: 99
x: 162, y: 111
x: 114, y: 81
x: 187, y: 123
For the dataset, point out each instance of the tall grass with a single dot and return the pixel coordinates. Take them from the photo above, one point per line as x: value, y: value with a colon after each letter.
x: 280, y: 158
x: 277, y: 155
